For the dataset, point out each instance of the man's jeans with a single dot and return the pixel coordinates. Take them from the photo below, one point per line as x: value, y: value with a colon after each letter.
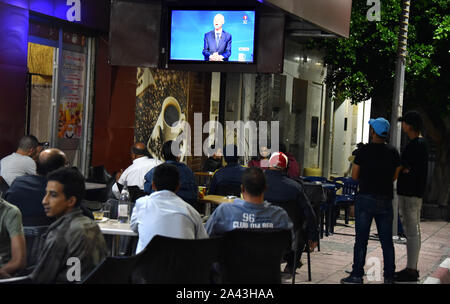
x: 409, y: 209
x: 368, y: 207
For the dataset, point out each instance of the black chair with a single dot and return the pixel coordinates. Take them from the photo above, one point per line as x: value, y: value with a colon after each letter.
x: 168, y: 260
x: 113, y: 270
x: 295, y: 212
x: 134, y: 191
x: 33, y: 240
x: 226, y: 189
x: 349, y: 190
x: 3, y: 187
x: 254, y: 256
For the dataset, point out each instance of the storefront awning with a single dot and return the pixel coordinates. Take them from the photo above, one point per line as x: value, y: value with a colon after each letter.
x: 331, y: 16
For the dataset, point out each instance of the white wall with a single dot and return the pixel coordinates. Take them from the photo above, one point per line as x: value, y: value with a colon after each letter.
x: 298, y: 127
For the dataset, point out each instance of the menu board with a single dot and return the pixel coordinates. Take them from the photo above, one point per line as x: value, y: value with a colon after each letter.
x: 71, y: 97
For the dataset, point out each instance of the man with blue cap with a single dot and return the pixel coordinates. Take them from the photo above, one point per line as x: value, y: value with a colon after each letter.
x: 376, y: 167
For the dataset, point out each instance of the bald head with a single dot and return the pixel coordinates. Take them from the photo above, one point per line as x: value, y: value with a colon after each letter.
x: 50, y: 160
x: 138, y: 150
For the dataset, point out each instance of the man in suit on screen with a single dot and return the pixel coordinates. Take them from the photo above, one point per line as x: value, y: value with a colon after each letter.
x: 217, y: 43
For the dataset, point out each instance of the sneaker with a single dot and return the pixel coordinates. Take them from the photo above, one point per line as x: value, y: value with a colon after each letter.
x: 352, y: 280
x: 406, y: 276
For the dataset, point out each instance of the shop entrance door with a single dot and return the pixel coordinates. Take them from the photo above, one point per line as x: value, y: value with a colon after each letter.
x: 58, y: 105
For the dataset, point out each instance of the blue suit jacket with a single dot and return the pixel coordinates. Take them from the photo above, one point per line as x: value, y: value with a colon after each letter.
x: 210, y: 47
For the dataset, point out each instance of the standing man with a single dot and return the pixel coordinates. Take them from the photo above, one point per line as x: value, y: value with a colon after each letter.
x: 20, y: 162
x: 134, y: 174
x: 217, y: 43
x: 410, y: 189
x: 376, y: 167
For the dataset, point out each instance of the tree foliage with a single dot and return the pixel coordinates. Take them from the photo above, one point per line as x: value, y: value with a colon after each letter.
x: 363, y: 67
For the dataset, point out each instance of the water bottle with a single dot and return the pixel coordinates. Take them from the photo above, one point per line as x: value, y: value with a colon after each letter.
x: 123, y: 212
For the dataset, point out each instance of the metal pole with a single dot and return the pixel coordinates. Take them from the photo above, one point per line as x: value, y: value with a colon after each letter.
x: 397, y: 103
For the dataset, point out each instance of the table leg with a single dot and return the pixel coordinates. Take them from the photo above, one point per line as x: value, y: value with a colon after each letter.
x: 207, y: 209
x: 115, y: 245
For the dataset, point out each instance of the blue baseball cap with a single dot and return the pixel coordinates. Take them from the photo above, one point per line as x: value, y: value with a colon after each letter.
x: 381, y: 126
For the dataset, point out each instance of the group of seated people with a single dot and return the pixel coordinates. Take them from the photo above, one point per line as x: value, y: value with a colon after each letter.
x: 52, y: 196
x: 48, y: 195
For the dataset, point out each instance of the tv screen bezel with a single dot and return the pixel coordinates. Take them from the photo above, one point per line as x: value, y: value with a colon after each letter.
x: 174, y: 63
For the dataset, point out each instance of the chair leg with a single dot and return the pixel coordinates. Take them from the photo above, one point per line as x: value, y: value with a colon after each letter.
x: 346, y: 214
x: 294, y: 268
x: 309, y: 264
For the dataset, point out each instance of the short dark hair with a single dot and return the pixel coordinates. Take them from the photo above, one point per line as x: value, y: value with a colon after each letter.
x: 50, y: 163
x: 166, y: 151
x: 254, y: 181
x: 72, y: 181
x: 138, y: 151
x: 28, y: 142
x: 166, y: 177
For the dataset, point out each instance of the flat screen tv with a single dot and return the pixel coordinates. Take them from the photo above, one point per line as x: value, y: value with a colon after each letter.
x: 212, y: 36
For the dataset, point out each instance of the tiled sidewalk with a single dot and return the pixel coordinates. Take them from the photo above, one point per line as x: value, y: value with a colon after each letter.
x: 336, y: 254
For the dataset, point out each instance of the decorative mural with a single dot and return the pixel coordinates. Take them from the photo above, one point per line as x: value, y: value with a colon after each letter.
x: 161, y: 103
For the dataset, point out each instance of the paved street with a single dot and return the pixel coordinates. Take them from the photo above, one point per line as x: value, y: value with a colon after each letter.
x: 336, y: 254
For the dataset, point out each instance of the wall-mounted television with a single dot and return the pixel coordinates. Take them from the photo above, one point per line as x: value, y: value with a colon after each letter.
x: 212, y: 36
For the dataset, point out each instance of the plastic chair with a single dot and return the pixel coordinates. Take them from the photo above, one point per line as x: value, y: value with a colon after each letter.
x: 3, y: 187
x: 33, y: 239
x: 113, y: 270
x: 316, y: 179
x: 349, y: 190
x: 225, y: 189
x: 295, y: 213
x: 254, y: 256
x: 168, y: 260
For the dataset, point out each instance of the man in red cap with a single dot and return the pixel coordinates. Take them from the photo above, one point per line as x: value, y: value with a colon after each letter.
x: 283, y: 191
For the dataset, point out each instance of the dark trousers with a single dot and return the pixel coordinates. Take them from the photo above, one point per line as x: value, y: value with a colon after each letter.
x: 298, y: 245
x: 368, y: 207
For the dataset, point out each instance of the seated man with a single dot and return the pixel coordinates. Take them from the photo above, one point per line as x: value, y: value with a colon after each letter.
x: 293, y: 169
x: 73, y: 239
x: 163, y: 212
x: 252, y: 212
x: 231, y: 174
x: 134, y: 174
x: 188, y: 189
x: 12, y: 240
x: 20, y: 162
x: 27, y: 192
x: 213, y: 162
x: 284, y: 190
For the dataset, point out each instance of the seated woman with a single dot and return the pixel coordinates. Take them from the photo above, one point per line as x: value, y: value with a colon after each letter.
x: 261, y: 161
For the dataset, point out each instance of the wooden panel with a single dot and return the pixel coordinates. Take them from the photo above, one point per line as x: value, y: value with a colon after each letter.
x: 299, y: 95
x: 115, y: 102
x: 199, y: 93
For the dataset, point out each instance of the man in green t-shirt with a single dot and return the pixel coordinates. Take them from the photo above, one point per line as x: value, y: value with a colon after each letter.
x: 12, y: 240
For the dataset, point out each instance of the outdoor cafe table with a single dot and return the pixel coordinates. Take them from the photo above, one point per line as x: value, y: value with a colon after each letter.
x: 116, y: 229
x: 214, y: 199
x: 94, y: 186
